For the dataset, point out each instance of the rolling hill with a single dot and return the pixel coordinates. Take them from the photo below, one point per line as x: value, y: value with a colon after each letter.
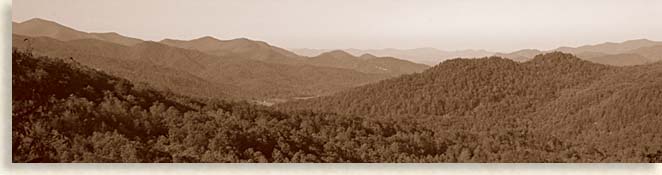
x: 627, y: 53
x: 555, y: 100
x: 67, y: 112
x: 258, y: 50
x: 428, y: 56
x: 240, y: 48
x: 245, y: 78
x: 366, y: 63
x: 611, y: 48
x: 460, y: 85
x: 653, y: 53
x: 623, y: 59
x: 39, y: 27
x: 520, y: 55
x: 63, y: 111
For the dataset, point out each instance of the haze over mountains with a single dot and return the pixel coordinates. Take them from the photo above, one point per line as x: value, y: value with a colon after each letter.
x: 245, y: 68
x: 632, y: 52
x: 41, y: 27
x: 92, y: 97
x: 208, y: 66
x: 428, y: 56
x: 262, y: 51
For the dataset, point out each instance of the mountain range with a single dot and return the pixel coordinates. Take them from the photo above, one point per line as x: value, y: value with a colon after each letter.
x: 555, y: 100
x: 262, y: 51
x: 627, y: 53
x: 428, y: 56
x: 41, y: 27
x: 207, y: 66
x: 632, y: 52
x: 91, y: 97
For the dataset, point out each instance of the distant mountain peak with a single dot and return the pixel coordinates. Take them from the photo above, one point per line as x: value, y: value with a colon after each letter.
x: 38, y: 20
x: 251, y: 41
x: 337, y: 54
x: 367, y: 56
x: 43, y: 23
x: 46, y: 28
x: 206, y: 38
x: 169, y: 40
x: 643, y: 40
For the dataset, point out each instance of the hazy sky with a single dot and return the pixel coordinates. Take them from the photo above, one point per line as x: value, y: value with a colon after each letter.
x: 497, y: 25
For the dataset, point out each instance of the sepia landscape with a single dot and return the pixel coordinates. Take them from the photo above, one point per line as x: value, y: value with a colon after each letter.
x: 105, y: 97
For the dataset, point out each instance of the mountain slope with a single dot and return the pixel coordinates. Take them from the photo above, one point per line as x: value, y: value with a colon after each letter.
x: 244, y: 77
x: 366, y: 63
x: 261, y: 51
x: 244, y: 48
x: 65, y: 112
x: 118, y: 60
x: 624, y: 59
x: 520, y: 55
x: 611, y: 48
x: 575, y: 109
x: 627, y: 53
x: 230, y: 50
x: 428, y: 56
x: 653, y: 53
x: 453, y: 86
x: 40, y: 27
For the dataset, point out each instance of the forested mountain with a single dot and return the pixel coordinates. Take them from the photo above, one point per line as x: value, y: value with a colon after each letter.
x: 460, y: 85
x: 556, y: 101
x: 428, y: 56
x: 198, y: 74
x: 632, y: 52
x: 520, y: 55
x: 623, y: 59
x: 366, y: 63
x: 258, y: 50
x: 39, y: 27
x: 66, y: 112
x: 652, y: 53
x: 242, y: 47
x: 104, y: 97
x: 611, y: 48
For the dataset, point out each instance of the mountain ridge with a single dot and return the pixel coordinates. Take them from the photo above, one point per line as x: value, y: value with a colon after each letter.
x: 265, y: 80
x: 42, y: 27
x: 618, y: 54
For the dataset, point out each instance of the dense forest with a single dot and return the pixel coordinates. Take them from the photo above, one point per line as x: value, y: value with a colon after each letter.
x: 64, y: 111
x: 556, y: 100
x: 197, y: 74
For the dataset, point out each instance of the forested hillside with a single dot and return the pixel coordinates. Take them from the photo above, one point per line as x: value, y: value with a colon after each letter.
x: 366, y: 63
x: 556, y: 101
x: 627, y: 53
x: 194, y: 73
x: 39, y: 27
x: 258, y: 50
x: 459, y: 86
x: 67, y: 112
